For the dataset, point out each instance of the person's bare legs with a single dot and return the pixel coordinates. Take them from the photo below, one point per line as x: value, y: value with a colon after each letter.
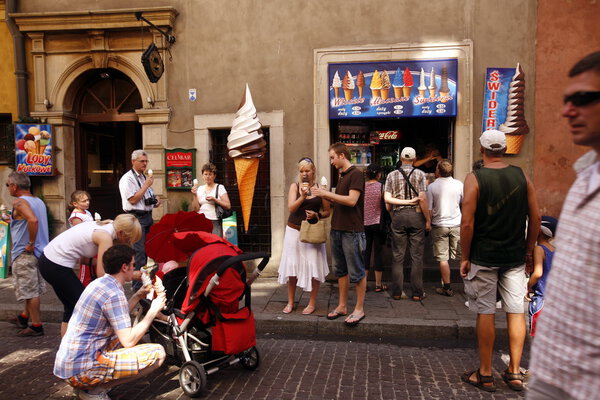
x: 378, y: 276
x: 445, y: 271
x: 63, y: 328
x: 343, y: 284
x: 517, y: 330
x: 312, y: 301
x: 291, y: 290
x: 361, y: 287
x: 144, y: 372
x: 33, y: 310
x: 486, y: 335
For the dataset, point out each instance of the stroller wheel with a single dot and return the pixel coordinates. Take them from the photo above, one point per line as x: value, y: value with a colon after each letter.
x: 192, y: 378
x: 250, y: 359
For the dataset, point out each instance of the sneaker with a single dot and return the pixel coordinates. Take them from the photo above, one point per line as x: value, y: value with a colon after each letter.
x: 444, y: 292
x: 19, y: 321
x: 83, y: 395
x: 30, y: 332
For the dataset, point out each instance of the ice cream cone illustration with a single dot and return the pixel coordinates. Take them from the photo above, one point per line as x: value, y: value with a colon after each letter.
x: 432, y: 85
x: 348, y: 85
x: 408, y: 83
x: 444, y: 89
x: 422, y: 88
x: 246, y: 146
x: 515, y: 126
x: 398, y: 84
x: 385, y: 85
x: 336, y: 85
x: 44, y: 141
x: 375, y: 85
x: 360, y: 83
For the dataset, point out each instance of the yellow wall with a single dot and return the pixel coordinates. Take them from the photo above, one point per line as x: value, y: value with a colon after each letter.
x: 8, y: 85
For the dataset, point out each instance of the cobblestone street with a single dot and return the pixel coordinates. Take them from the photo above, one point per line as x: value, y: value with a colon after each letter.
x: 290, y: 369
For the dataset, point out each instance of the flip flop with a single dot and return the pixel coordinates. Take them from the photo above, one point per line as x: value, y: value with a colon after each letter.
x: 335, y: 314
x: 308, y: 310
x: 287, y: 309
x: 356, y: 320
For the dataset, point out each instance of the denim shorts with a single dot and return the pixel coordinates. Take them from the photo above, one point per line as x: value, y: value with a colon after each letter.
x: 347, y: 252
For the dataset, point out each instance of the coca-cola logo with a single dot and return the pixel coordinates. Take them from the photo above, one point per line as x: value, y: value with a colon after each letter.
x: 388, y: 135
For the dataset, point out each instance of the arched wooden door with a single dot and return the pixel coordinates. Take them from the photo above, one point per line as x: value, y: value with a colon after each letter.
x: 107, y: 132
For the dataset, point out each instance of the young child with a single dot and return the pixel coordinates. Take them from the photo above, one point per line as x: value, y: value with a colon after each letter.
x: 542, y: 262
x: 80, y: 202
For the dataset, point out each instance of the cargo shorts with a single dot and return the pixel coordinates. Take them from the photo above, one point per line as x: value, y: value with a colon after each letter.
x: 28, y: 280
x: 482, y: 282
x: 446, y: 243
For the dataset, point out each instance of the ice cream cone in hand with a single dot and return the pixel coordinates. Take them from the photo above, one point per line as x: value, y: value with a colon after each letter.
x: 246, y: 170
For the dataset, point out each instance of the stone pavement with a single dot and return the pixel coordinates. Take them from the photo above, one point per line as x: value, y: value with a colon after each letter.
x: 290, y: 369
x: 436, y: 317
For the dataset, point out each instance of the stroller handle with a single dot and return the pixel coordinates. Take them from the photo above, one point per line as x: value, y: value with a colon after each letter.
x: 234, y: 260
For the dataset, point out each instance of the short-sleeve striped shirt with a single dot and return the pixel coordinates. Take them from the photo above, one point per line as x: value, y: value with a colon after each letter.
x: 396, y: 185
x: 101, y: 310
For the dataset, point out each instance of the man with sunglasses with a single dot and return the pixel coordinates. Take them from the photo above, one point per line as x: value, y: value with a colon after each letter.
x: 565, y: 362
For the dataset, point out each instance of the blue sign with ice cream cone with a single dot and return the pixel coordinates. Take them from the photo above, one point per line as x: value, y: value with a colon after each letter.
x: 33, y: 149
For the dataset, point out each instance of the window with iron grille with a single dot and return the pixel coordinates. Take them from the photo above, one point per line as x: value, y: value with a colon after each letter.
x: 7, y: 139
x: 258, y: 237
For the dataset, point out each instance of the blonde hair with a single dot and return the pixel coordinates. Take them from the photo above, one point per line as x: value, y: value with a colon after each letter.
x: 75, y: 196
x: 303, y: 163
x: 128, y: 224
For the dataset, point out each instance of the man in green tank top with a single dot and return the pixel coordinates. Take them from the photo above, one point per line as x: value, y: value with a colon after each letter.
x: 497, y: 243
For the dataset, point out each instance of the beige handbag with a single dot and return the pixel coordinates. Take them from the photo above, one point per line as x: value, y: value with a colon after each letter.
x: 313, y: 233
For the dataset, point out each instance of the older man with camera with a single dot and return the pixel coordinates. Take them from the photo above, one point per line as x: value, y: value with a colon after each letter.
x: 138, y: 199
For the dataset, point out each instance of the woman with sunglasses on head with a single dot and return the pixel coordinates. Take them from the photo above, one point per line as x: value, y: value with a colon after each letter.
x: 303, y: 264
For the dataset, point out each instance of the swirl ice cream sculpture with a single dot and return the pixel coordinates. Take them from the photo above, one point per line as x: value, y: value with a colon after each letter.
x: 348, y: 85
x: 246, y: 145
x: 515, y: 126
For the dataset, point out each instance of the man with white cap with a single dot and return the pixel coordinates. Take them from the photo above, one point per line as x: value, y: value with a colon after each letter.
x: 405, y: 193
x: 499, y: 226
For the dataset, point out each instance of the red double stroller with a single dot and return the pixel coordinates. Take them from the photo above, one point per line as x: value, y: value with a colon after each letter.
x: 207, y: 330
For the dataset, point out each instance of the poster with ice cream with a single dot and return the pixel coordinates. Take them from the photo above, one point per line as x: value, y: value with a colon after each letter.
x: 416, y: 88
x: 504, y: 105
x: 33, y: 149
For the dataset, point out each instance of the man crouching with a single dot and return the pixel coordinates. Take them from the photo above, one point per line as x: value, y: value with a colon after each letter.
x: 99, y: 350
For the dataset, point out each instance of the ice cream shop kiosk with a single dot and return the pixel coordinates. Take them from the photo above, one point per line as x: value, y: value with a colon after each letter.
x: 377, y: 108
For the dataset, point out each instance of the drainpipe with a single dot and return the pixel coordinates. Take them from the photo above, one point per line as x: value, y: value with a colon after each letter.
x: 20, y: 63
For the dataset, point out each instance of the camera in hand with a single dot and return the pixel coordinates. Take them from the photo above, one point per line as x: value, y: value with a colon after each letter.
x: 150, y: 201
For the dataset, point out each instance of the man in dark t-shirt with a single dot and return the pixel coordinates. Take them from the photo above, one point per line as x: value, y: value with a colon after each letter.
x: 347, y: 233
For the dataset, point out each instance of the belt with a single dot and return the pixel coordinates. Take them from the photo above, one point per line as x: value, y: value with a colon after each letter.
x: 138, y: 213
x: 293, y: 226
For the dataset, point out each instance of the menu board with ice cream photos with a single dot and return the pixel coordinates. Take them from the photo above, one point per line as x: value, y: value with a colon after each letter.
x: 33, y: 149
x: 417, y: 88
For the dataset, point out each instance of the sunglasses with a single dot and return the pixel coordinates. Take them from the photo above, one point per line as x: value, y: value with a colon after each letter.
x: 580, y: 99
x: 306, y: 159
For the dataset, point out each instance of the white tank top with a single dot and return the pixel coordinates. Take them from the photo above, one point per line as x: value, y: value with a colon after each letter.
x: 67, y: 248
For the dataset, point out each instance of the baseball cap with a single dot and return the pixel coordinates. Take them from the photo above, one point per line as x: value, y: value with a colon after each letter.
x: 493, y: 140
x: 408, y: 153
x: 549, y: 226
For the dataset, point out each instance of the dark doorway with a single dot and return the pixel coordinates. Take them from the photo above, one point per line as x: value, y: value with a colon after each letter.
x: 107, y: 133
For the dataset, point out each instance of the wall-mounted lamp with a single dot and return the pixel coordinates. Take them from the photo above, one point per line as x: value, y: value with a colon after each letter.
x: 48, y: 104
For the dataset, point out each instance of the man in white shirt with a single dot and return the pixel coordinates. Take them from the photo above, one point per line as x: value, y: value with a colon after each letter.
x: 444, y: 197
x: 138, y: 199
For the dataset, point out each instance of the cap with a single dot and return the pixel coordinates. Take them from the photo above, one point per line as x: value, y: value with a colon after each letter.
x: 408, y: 153
x: 549, y: 225
x: 493, y: 140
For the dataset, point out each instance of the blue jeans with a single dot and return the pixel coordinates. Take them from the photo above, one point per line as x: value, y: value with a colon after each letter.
x: 347, y: 252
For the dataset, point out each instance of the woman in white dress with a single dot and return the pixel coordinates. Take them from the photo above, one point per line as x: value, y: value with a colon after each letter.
x: 208, y: 196
x: 303, y: 264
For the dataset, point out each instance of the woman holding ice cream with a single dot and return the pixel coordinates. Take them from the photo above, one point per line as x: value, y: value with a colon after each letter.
x: 209, y: 195
x: 303, y: 264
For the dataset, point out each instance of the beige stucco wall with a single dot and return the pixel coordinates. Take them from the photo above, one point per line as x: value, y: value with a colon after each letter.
x: 222, y: 44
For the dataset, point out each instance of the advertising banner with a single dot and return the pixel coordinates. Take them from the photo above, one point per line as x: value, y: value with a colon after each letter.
x: 4, y: 247
x: 180, y: 165
x: 417, y: 88
x: 495, y: 96
x: 33, y: 149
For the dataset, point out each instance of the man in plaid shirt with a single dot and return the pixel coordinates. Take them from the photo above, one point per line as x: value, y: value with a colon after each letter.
x: 565, y: 356
x: 99, y: 348
x: 410, y: 220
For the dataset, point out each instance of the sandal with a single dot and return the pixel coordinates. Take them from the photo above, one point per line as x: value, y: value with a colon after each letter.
x: 380, y: 288
x: 481, y: 381
x: 509, y: 376
x: 288, y: 309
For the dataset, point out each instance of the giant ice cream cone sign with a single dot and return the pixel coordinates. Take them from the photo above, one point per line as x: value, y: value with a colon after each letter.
x: 246, y: 146
x: 515, y: 126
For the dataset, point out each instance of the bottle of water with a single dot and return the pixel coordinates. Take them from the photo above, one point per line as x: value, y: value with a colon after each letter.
x: 369, y: 156
x: 357, y: 156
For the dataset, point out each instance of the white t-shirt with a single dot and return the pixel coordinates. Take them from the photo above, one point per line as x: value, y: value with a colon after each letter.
x: 83, y: 216
x: 67, y: 248
x: 444, y: 197
x: 208, y: 207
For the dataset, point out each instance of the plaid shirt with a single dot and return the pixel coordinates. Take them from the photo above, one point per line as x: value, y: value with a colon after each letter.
x: 101, y: 310
x: 567, y: 340
x: 396, y: 185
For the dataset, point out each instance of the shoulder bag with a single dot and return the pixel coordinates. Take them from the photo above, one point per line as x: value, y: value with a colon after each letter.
x: 313, y: 233
x: 220, y: 211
